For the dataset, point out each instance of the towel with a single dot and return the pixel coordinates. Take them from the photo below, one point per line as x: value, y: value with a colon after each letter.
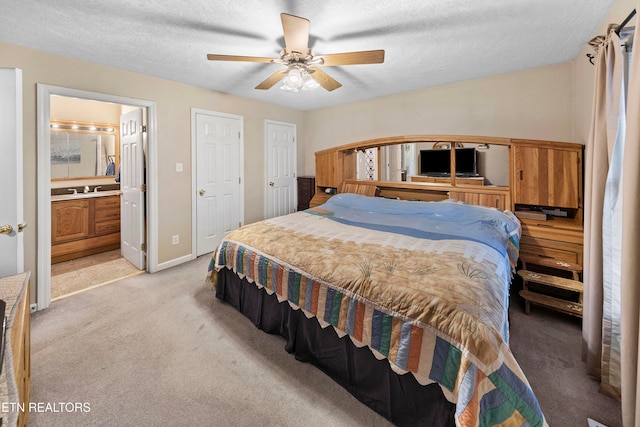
x: 111, y: 169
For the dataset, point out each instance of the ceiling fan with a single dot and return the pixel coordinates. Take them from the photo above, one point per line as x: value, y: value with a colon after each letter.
x: 301, y: 70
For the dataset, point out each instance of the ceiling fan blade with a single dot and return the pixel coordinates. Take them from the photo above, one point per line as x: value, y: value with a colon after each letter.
x: 350, y: 58
x: 214, y: 57
x: 272, y: 79
x: 326, y: 81
x: 296, y: 33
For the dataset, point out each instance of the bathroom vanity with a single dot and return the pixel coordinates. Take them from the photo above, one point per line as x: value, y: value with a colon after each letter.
x: 84, y: 224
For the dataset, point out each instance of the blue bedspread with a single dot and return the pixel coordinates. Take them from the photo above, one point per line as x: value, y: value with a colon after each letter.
x: 435, y: 221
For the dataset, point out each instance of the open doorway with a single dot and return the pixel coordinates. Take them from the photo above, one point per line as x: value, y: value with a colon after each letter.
x: 90, y: 172
x: 148, y: 165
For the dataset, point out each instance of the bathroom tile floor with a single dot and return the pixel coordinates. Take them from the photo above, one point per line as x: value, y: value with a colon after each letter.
x: 76, y: 275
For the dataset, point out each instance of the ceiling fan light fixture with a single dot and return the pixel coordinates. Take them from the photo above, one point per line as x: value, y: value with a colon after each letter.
x: 298, y: 78
x: 300, y: 61
x: 308, y: 82
x: 293, y: 81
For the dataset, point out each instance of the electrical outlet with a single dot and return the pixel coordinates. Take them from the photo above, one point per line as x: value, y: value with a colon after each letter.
x: 175, y: 239
x: 178, y: 167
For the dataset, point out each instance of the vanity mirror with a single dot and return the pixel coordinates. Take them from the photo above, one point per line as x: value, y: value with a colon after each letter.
x: 84, y: 150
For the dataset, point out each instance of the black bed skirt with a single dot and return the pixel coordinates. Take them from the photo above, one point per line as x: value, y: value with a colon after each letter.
x: 399, y: 398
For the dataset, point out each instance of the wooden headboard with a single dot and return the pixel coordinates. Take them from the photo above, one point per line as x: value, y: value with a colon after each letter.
x: 359, y: 187
x: 393, y: 190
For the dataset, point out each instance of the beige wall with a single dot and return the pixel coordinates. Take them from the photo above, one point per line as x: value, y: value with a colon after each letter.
x: 174, y: 102
x: 82, y: 110
x: 535, y: 103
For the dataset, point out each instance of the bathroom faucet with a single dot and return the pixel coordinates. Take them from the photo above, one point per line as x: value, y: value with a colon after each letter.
x: 95, y: 189
x: 86, y: 188
x: 72, y: 190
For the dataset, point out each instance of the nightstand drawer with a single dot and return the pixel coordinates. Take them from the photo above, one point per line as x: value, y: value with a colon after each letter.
x: 561, y: 251
x: 551, y: 231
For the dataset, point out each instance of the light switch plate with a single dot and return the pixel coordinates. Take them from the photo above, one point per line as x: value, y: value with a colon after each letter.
x: 178, y: 167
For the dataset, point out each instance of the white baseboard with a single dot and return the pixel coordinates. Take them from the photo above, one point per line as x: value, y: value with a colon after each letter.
x: 176, y: 261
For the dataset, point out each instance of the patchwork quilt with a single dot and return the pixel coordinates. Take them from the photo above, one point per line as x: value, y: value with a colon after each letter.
x: 423, y: 284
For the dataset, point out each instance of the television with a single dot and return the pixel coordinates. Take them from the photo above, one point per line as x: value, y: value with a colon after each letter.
x: 438, y: 162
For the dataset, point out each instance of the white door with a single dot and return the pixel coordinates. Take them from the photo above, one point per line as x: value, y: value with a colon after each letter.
x: 11, y: 208
x: 132, y: 185
x: 218, y: 174
x: 281, y: 168
x: 393, y: 162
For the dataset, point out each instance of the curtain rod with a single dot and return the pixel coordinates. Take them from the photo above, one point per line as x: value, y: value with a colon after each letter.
x: 620, y: 27
x: 626, y: 21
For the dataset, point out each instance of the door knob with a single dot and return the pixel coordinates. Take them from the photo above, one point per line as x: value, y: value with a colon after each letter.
x: 6, y: 229
x: 271, y: 183
x: 201, y: 192
x: 22, y: 226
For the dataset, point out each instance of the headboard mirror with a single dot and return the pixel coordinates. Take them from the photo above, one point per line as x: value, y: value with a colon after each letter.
x: 84, y: 150
x: 431, y: 162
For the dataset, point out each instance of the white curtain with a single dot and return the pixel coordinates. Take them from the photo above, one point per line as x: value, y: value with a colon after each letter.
x: 630, y: 270
x: 612, y: 217
x: 611, y: 323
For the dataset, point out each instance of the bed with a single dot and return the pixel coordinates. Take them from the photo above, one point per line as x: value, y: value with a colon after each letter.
x: 404, y: 303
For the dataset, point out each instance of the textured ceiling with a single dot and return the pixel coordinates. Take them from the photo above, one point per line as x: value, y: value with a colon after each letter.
x: 427, y: 42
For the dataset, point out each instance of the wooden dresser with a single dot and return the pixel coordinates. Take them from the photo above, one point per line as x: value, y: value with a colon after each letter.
x: 15, y: 379
x: 306, y: 191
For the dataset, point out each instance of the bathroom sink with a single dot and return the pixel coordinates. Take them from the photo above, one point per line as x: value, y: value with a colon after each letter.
x: 85, y: 195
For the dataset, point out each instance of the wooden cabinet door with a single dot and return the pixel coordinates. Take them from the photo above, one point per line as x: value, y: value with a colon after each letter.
x: 69, y: 220
x: 326, y: 169
x: 546, y: 177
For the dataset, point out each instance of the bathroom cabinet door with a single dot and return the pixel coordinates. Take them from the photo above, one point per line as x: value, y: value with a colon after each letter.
x: 69, y: 220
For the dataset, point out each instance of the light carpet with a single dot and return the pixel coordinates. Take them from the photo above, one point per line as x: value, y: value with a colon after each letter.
x: 159, y: 349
